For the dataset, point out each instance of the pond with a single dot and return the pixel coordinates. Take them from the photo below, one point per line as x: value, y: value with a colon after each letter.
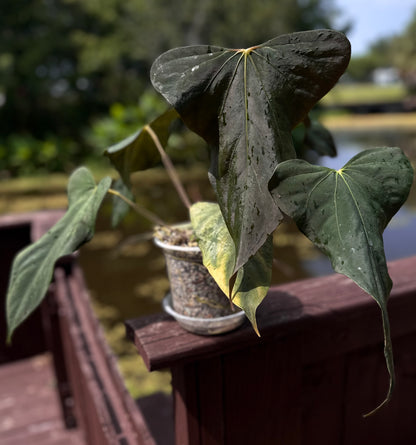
x: 400, y: 234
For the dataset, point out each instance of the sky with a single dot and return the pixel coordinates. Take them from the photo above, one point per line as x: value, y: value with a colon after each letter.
x: 374, y: 19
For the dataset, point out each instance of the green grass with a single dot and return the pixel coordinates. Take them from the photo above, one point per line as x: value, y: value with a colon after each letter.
x: 363, y: 93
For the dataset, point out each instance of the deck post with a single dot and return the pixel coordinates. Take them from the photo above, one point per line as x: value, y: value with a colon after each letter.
x: 215, y: 403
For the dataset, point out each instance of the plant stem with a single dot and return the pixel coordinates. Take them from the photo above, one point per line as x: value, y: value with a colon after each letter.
x: 169, y: 168
x: 154, y: 219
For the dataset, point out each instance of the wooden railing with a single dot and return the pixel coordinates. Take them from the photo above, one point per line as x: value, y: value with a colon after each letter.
x: 92, y: 394
x: 317, y: 368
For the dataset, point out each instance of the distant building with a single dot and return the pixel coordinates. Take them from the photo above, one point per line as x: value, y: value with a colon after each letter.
x: 385, y: 76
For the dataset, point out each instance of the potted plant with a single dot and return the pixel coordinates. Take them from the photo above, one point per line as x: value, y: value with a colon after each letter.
x: 245, y: 103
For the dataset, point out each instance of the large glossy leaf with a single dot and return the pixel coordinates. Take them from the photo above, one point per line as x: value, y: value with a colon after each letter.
x: 253, y: 279
x: 344, y: 213
x: 138, y: 151
x: 245, y: 102
x: 32, y: 268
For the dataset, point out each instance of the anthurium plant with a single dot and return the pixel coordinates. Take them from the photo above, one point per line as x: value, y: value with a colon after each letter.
x: 245, y: 104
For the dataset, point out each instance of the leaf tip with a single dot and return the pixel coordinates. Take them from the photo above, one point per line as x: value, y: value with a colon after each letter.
x: 375, y: 410
x: 9, y: 336
x: 385, y: 401
x: 253, y: 321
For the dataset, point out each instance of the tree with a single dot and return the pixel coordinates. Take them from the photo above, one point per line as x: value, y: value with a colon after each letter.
x: 403, y: 51
x: 63, y: 62
x: 379, y: 55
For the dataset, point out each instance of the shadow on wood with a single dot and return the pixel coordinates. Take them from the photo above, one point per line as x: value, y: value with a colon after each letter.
x: 317, y: 368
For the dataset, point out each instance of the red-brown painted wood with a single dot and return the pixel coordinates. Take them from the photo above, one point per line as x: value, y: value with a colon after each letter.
x: 29, y: 409
x: 326, y: 310
x: 107, y: 411
x: 94, y: 400
x: 323, y: 407
x: 317, y: 368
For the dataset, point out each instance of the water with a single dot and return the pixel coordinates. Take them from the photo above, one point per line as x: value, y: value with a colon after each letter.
x: 400, y: 235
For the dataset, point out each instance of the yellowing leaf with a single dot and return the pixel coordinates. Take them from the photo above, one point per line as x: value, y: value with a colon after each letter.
x: 252, y: 280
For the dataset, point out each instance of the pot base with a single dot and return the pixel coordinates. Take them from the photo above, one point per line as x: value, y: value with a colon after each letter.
x: 204, y: 326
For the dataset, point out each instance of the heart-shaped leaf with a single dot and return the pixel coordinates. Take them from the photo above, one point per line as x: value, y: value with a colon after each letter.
x: 245, y: 102
x: 345, y: 212
x: 253, y: 279
x: 138, y: 151
x: 32, y: 268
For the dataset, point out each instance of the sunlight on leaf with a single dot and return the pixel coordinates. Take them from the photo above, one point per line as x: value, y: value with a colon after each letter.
x: 253, y: 279
x: 138, y: 152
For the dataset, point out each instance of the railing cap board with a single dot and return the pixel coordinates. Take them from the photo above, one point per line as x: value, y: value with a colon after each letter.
x: 40, y: 221
x: 331, y: 314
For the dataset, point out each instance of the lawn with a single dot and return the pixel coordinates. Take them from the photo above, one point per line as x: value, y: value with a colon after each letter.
x: 364, y: 93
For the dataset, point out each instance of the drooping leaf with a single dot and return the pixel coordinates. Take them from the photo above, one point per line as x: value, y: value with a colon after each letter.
x: 120, y: 207
x: 138, y: 151
x: 345, y: 212
x: 253, y: 279
x: 32, y: 268
x: 245, y: 102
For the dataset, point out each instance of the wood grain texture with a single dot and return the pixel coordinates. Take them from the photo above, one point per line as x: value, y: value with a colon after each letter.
x: 332, y: 313
x: 317, y: 368
x: 29, y: 408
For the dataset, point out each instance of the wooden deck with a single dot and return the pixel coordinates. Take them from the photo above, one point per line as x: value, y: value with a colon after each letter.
x: 59, y: 381
x: 30, y: 412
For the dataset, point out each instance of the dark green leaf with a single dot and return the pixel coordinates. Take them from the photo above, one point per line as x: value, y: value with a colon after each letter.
x: 253, y: 279
x: 138, y: 151
x: 319, y: 139
x: 246, y: 102
x: 32, y: 268
x: 344, y: 213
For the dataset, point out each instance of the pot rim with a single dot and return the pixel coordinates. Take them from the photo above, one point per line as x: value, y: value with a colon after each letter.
x: 174, y: 248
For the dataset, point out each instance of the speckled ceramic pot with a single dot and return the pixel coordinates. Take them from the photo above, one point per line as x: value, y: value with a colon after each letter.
x: 193, y: 291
